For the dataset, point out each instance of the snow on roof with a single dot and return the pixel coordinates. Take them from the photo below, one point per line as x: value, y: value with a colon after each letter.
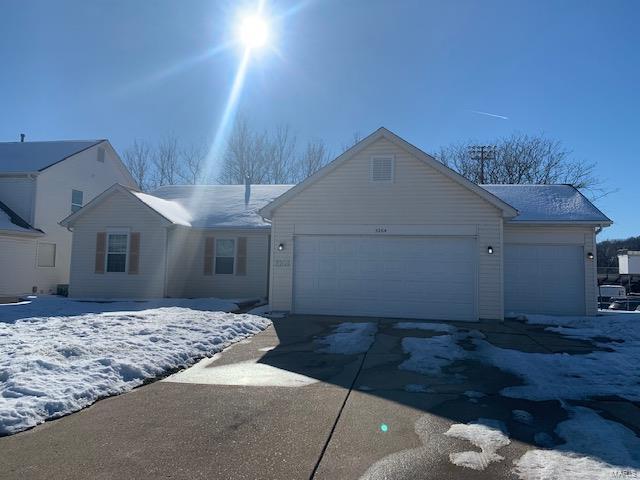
x: 36, y: 156
x: 10, y: 221
x: 213, y: 206
x: 172, y: 211
x: 547, y: 203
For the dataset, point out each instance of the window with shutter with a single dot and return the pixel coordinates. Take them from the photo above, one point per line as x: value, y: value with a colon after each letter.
x: 101, y: 248
x: 134, y: 253
x: 208, y: 255
x: 382, y: 169
x: 241, y: 256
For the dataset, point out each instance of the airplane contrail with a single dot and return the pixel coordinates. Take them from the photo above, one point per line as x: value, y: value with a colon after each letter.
x: 490, y: 114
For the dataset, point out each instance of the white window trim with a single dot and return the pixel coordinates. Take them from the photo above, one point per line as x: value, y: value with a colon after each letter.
x: 393, y: 168
x: 76, y: 204
x: 120, y: 231
x: 235, y: 255
x: 55, y: 254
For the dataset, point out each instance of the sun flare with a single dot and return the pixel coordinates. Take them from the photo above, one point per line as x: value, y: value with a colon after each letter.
x: 254, y: 32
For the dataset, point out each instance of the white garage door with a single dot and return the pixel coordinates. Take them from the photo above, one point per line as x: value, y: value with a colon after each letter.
x: 405, y: 277
x: 544, y: 279
x: 17, y: 261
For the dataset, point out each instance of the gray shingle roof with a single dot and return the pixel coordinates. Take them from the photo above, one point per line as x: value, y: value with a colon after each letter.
x: 548, y: 203
x: 36, y: 156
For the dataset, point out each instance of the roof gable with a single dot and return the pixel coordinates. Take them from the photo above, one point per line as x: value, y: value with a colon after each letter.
x: 506, y: 209
x: 19, y: 157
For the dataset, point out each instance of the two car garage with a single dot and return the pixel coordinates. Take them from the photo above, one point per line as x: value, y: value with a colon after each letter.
x: 429, y: 277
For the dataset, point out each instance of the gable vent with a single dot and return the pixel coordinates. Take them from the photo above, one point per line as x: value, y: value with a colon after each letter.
x: 382, y: 169
x: 101, y: 154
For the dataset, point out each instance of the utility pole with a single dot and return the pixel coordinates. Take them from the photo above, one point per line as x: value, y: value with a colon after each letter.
x: 482, y: 153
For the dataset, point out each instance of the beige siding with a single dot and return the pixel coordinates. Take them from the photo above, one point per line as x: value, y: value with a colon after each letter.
x: 562, y: 235
x: 186, y: 265
x: 419, y: 195
x: 119, y: 210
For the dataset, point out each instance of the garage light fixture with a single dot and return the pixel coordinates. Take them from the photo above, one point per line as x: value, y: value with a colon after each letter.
x: 490, y: 250
x: 280, y: 247
x: 590, y: 255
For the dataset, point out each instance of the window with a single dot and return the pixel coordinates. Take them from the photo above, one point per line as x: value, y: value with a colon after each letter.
x: 101, y: 154
x: 117, y: 244
x: 76, y: 200
x: 225, y: 256
x: 382, y: 169
x: 46, y: 254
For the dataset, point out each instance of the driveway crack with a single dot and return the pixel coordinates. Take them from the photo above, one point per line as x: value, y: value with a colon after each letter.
x: 344, y: 403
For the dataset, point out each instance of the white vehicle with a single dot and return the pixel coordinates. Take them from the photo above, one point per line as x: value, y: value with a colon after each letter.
x: 608, y: 291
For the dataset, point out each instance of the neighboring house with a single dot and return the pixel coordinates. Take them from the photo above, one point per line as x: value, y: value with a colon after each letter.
x: 40, y: 184
x: 383, y: 230
x: 181, y: 241
x: 629, y: 262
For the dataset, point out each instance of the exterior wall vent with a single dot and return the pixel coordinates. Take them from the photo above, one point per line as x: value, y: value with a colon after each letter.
x: 382, y: 169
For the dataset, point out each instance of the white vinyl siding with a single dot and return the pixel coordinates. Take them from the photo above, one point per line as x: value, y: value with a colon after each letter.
x: 46, y: 254
x: 186, y: 277
x: 18, y: 256
x: 419, y: 195
x: 108, y: 217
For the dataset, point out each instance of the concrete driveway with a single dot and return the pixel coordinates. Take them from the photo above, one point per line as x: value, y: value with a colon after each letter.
x: 277, y: 407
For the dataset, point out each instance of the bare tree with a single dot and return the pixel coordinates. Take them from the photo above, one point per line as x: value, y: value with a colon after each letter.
x: 525, y: 159
x: 138, y: 160
x: 246, y: 156
x: 167, y: 161
x: 314, y: 157
x: 281, y: 155
x: 356, y: 137
x: 192, y: 161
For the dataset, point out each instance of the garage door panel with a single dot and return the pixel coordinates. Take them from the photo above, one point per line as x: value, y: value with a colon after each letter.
x: 403, y: 277
x: 544, y: 279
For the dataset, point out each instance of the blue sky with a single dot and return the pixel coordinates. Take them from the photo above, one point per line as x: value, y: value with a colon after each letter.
x: 138, y: 69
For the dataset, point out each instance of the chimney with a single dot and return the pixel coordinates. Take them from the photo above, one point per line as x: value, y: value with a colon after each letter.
x: 247, y: 190
x: 22, y: 135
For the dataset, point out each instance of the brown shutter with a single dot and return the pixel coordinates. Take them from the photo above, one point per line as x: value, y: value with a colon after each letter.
x: 241, y: 256
x: 134, y: 253
x: 101, y: 247
x: 209, y: 250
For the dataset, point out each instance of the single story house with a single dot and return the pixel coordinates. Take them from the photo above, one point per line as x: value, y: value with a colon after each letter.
x: 182, y: 241
x: 383, y: 230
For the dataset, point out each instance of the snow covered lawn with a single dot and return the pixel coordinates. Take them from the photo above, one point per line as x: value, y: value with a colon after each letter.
x: 60, y: 355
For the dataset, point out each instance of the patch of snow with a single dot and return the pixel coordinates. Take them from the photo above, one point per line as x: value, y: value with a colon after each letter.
x: 594, y: 448
x: 436, y: 327
x: 266, y: 349
x: 522, y: 416
x: 486, y: 434
x: 349, y: 338
x: 172, y: 211
x: 59, y: 360
x: 561, y: 375
x: 429, y: 355
x: 250, y: 373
